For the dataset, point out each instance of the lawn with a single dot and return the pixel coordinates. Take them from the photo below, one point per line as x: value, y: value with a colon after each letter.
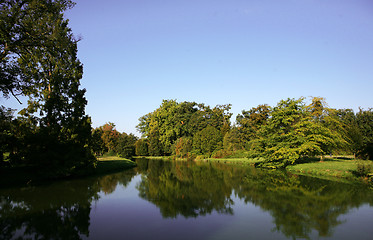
x: 112, y: 164
x: 330, y: 168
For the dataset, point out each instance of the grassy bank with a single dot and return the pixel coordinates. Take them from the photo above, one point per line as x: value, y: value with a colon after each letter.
x: 334, y: 169
x: 111, y: 164
x: 28, y: 175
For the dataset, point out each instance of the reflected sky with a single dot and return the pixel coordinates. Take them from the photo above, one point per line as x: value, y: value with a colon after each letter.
x: 179, y: 200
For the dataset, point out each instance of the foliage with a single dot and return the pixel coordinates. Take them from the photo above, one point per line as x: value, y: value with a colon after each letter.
x: 234, y: 140
x: 207, y: 140
x: 109, y: 140
x: 39, y: 61
x: 28, y: 29
x: 98, y: 144
x: 364, y: 120
x: 126, y: 145
x: 182, y: 147
x: 363, y: 169
x: 173, y: 120
x: 292, y: 132
x: 249, y: 122
x: 141, y: 147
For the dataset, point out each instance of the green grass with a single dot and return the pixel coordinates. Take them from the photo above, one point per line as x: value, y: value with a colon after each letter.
x: 330, y: 168
x: 109, y: 164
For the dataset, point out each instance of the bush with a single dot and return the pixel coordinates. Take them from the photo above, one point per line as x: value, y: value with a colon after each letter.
x: 191, y: 156
x: 363, y: 169
x: 222, y: 153
x: 182, y: 147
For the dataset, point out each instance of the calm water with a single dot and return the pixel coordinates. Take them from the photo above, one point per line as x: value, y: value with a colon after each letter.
x: 179, y: 200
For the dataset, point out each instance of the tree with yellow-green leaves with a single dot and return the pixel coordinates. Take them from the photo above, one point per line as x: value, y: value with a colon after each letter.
x: 172, y: 120
x: 294, y: 130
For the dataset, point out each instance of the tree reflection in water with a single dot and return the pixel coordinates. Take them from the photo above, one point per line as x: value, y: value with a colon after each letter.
x: 58, y: 210
x: 297, y: 204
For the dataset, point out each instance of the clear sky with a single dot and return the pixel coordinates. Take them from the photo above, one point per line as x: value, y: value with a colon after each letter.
x: 244, y: 52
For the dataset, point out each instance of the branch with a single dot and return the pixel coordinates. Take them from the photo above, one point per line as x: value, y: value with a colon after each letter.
x: 15, y: 96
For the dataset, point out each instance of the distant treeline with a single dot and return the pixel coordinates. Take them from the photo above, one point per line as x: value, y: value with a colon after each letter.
x: 281, y: 135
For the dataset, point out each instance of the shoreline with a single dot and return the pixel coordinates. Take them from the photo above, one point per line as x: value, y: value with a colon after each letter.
x: 29, y: 175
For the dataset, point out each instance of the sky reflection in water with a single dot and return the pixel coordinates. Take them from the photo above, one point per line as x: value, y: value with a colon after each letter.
x: 169, y: 200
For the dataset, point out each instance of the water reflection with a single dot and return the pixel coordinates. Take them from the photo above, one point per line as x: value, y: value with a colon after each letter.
x: 59, y: 210
x: 298, y: 205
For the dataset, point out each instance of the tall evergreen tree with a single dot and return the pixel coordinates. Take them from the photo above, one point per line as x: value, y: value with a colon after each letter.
x: 39, y: 60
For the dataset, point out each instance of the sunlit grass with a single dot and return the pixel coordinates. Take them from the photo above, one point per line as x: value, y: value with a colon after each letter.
x: 331, y: 167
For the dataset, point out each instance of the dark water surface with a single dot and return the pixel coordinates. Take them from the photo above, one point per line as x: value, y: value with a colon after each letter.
x: 184, y: 200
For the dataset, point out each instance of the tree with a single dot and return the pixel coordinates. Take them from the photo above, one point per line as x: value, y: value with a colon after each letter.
x: 39, y: 60
x: 182, y: 147
x: 207, y: 140
x: 110, y: 136
x: 364, y: 120
x: 249, y: 122
x: 292, y: 133
x: 26, y: 27
x: 141, y: 147
x: 234, y: 140
x: 173, y: 120
x: 98, y: 145
x: 126, y: 145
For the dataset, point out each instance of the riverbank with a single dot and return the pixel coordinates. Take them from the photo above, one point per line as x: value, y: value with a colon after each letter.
x: 28, y: 175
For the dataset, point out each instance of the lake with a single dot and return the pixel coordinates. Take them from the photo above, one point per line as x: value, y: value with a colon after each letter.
x: 187, y: 200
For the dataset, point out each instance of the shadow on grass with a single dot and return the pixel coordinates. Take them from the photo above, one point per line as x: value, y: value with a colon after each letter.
x: 112, y: 166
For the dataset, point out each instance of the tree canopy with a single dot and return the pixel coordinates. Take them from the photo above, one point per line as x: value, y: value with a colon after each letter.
x: 39, y: 60
x: 173, y: 120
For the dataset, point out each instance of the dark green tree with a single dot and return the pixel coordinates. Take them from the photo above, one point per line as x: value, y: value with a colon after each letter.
x: 39, y: 60
x: 364, y: 120
x: 207, y: 140
x: 141, y: 147
x: 249, y: 122
x: 126, y: 145
x: 98, y: 145
x: 27, y: 27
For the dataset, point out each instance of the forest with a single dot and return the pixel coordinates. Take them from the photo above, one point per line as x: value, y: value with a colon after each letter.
x: 38, y: 62
x: 282, y: 134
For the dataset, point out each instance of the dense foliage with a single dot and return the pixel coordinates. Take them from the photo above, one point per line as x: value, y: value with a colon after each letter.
x: 108, y: 140
x: 39, y: 60
x: 280, y: 135
x: 174, y: 123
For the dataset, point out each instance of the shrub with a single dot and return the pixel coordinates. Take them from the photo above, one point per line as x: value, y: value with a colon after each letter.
x: 222, y: 153
x: 363, y: 169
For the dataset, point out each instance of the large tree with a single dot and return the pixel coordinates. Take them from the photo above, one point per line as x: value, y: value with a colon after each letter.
x: 173, y: 120
x: 291, y: 133
x: 39, y: 61
x: 249, y: 122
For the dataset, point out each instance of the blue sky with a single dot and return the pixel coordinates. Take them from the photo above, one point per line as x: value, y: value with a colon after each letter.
x: 138, y: 52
